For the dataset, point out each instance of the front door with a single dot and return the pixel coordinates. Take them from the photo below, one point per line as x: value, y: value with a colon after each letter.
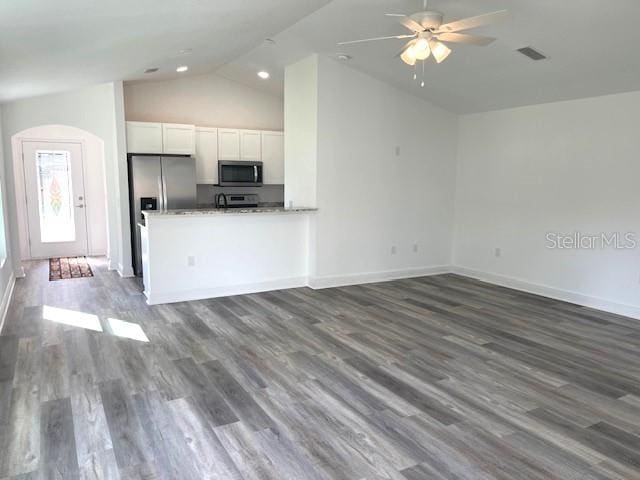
x: 54, y: 185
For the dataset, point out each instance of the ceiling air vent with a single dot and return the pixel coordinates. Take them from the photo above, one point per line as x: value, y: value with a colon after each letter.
x: 531, y: 53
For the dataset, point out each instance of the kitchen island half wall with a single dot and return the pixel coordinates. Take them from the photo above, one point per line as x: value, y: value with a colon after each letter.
x: 198, y: 254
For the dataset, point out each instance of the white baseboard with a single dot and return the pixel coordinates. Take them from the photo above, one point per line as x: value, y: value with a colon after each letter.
x: 551, y: 292
x: 6, y: 299
x: 125, y: 272
x: 329, y: 281
x: 20, y: 273
x: 204, y: 293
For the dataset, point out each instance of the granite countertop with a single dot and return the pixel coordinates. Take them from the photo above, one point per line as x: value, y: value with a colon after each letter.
x: 223, y: 211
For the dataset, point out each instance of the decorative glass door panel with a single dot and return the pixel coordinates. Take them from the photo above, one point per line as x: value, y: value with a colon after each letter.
x: 54, y: 186
x: 55, y: 196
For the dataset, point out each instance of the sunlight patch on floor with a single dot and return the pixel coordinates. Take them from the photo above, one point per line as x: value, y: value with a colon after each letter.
x: 89, y: 321
x: 72, y: 318
x: 124, y: 329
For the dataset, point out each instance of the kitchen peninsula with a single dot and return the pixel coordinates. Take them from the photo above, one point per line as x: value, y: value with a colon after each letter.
x: 206, y: 253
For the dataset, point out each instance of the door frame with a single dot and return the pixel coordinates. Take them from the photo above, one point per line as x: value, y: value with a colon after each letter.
x: 20, y: 189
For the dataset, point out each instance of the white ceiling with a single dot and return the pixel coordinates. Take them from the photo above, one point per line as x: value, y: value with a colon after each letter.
x: 48, y: 46
x: 54, y: 45
x: 592, y: 47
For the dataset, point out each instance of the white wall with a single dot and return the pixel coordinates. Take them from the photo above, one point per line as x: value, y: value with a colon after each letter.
x: 205, y: 100
x: 369, y: 198
x: 92, y: 109
x: 94, y: 182
x: 232, y: 254
x: 561, y: 167
x: 301, y: 128
x: 7, y: 277
x: 121, y: 189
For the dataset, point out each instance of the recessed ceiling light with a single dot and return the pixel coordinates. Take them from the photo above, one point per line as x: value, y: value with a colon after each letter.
x: 263, y: 75
x: 343, y: 57
x: 181, y: 69
x: 151, y: 70
x: 270, y: 41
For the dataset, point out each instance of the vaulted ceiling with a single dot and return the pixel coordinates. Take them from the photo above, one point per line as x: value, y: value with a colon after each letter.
x: 48, y: 46
x: 591, y: 45
x: 54, y: 45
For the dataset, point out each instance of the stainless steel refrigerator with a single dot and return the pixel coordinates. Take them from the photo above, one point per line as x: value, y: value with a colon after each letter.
x: 158, y: 183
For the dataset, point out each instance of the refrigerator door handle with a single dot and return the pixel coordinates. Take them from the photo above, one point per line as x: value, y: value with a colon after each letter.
x: 165, y: 200
x: 160, y: 193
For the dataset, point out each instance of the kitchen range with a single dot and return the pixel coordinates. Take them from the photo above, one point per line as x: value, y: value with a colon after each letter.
x: 237, y: 200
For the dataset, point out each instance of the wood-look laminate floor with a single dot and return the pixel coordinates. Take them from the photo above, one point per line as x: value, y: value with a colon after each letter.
x: 431, y: 378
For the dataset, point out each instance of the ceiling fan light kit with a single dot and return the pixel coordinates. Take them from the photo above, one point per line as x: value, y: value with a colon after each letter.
x: 429, y: 32
x: 439, y: 51
x: 421, y: 49
x: 418, y: 49
x: 408, y: 55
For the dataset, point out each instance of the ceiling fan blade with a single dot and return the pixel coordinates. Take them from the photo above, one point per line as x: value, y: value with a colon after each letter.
x: 407, y: 22
x: 464, y: 38
x: 377, y: 38
x: 474, y: 22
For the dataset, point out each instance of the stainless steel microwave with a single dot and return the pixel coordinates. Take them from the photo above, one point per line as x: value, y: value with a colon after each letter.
x: 239, y: 174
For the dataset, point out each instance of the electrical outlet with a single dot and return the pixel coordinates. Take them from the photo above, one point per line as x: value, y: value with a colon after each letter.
x: 498, y: 252
x: 393, y: 250
x: 191, y: 261
x: 415, y: 248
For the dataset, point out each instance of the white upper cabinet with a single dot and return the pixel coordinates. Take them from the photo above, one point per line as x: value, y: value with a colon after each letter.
x: 273, y: 158
x: 209, y: 145
x: 159, y: 138
x: 250, y: 145
x: 206, y: 155
x: 228, y: 144
x: 144, y: 137
x: 178, y: 139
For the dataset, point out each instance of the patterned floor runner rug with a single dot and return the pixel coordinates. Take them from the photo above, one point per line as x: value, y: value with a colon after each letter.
x: 69, y: 267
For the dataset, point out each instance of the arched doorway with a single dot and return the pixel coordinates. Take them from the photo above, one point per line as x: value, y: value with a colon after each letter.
x: 60, y: 192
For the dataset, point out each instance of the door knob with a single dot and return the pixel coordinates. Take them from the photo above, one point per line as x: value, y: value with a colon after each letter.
x: 80, y: 206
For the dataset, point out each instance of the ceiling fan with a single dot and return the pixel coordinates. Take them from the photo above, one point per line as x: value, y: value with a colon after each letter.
x: 428, y: 32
